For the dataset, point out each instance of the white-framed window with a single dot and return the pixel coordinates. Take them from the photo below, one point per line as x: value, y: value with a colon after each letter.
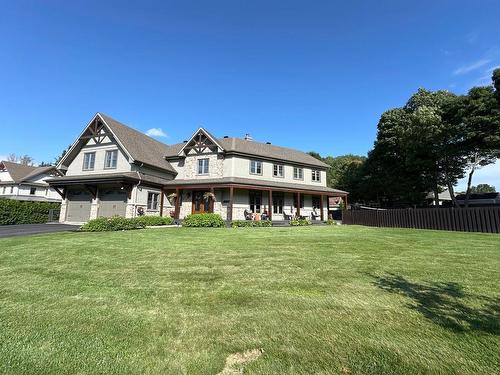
x: 255, y: 167
x: 315, y: 175
x: 88, y: 161
x: 111, y: 159
x: 33, y: 191
x: 153, y: 200
x: 298, y: 173
x: 203, y: 165
x: 278, y: 203
x: 278, y: 170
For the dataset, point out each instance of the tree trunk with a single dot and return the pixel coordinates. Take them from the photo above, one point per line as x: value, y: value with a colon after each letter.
x: 436, y: 196
x: 451, y: 190
x: 469, y: 183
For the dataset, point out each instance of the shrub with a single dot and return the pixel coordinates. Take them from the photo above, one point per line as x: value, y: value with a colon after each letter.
x: 107, y: 224
x: 331, y: 222
x: 153, y: 221
x: 203, y: 220
x: 24, y: 212
x: 251, y: 223
x: 300, y: 222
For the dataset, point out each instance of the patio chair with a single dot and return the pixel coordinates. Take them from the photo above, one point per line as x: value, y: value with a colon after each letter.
x: 248, y: 215
x: 286, y: 216
x: 315, y: 216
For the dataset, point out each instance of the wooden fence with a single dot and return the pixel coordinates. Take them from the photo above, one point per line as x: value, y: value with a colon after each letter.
x: 474, y: 219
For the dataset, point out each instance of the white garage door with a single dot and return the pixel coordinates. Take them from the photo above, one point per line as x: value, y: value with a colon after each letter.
x: 113, y: 203
x: 78, y: 207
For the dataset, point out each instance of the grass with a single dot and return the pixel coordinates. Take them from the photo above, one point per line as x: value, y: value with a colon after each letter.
x: 315, y: 300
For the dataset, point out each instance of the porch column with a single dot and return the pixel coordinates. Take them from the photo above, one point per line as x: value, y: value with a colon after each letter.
x: 212, y: 200
x: 321, y: 197
x: 177, y: 202
x: 230, y: 206
x: 298, y: 204
x: 328, y: 207
x: 161, y: 201
x: 270, y: 201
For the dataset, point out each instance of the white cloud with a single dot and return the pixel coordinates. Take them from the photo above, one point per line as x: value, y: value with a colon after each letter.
x: 486, y: 175
x: 156, y: 132
x: 471, y: 67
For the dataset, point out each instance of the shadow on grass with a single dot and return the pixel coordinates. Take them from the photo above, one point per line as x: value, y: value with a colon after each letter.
x: 443, y: 304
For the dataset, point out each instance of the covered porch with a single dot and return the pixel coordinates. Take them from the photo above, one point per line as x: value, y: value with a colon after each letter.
x: 246, y: 201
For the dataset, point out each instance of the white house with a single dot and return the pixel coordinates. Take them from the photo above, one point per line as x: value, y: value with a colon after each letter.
x: 24, y: 182
x: 112, y: 169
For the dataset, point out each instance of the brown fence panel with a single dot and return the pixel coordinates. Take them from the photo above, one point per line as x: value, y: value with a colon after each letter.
x: 473, y: 219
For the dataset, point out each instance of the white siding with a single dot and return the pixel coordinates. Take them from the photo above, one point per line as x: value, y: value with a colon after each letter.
x: 76, y: 166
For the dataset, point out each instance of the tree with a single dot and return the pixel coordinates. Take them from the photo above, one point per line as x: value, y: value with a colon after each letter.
x: 496, y: 83
x: 346, y: 173
x: 482, y: 188
x: 24, y: 159
x: 63, y: 153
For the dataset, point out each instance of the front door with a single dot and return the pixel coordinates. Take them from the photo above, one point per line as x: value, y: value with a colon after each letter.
x: 200, y: 205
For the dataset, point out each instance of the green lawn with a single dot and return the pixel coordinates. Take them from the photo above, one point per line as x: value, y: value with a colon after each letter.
x: 314, y: 300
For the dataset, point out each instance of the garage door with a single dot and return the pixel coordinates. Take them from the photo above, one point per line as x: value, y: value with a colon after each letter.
x: 113, y: 203
x: 78, y: 207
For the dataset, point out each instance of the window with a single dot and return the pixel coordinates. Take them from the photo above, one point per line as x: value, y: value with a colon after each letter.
x: 255, y: 167
x: 278, y: 199
x: 298, y: 173
x: 278, y: 170
x: 316, y: 203
x: 110, y: 160
x: 255, y: 201
x: 316, y: 175
x: 203, y: 166
x: 153, y: 201
x: 12, y: 189
x: 301, y: 200
x: 88, y: 161
x: 33, y: 191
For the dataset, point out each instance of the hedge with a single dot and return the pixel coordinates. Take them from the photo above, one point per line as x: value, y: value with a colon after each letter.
x: 251, y: 223
x: 203, y: 220
x: 153, y: 221
x: 300, y: 222
x: 107, y: 224
x: 25, y: 212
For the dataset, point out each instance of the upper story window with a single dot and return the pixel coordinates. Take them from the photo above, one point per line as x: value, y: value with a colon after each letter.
x: 88, y: 161
x: 255, y: 167
x: 203, y: 166
x: 298, y: 173
x: 316, y: 175
x: 278, y: 170
x: 111, y: 159
x: 33, y: 191
x: 153, y: 201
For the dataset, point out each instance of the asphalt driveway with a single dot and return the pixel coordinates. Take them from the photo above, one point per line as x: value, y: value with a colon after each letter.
x: 26, y: 229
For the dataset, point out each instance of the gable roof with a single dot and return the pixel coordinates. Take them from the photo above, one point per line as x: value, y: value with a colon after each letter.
x: 259, y: 150
x: 20, y: 172
x: 140, y: 147
x: 199, y: 133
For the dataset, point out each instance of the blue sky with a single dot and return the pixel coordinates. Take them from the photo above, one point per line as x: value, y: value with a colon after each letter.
x: 310, y: 75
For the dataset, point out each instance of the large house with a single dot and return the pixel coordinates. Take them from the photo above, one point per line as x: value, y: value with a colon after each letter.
x: 27, y: 183
x: 112, y: 169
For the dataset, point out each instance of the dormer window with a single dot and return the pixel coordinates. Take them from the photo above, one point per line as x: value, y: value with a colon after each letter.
x: 111, y: 159
x: 203, y: 165
x: 316, y: 175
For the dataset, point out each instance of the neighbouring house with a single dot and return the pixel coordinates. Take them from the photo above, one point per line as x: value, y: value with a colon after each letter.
x: 27, y: 183
x: 112, y: 169
x: 480, y: 199
x: 444, y: 198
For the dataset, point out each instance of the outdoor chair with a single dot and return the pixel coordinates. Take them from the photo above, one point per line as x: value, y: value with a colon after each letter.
x: 315, y: 216
x: 286, y: 216
x: 248, y: 215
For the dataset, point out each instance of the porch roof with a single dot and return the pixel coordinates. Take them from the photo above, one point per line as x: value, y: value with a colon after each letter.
x: 130, y: 177
x: 252, y: 183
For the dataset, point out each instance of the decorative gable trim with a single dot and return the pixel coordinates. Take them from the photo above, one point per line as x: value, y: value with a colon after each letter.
x: 199, y: 142
x: 97, y: 129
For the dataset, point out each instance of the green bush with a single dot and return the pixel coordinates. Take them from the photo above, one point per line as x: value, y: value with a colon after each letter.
x: 300, y: 222
x: 251, y: 223
x: 153, y: 221
x: 203, y: 220
x: 24, y: 212
x: 331, y: 222
x: 107, y: 224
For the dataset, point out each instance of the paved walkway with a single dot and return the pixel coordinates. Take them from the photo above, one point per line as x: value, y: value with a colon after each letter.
x: 26, y: 229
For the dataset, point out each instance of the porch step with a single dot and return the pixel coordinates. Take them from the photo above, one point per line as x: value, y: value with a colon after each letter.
x: 280, y: 223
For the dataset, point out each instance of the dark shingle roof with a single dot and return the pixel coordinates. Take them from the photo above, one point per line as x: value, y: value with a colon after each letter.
x: 107, y: 177
x: 142, y: 148
x: 21, y: 172
x: 258, y: 149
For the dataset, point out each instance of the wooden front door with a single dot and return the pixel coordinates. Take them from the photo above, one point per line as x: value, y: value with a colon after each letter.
x: 200, y: 205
